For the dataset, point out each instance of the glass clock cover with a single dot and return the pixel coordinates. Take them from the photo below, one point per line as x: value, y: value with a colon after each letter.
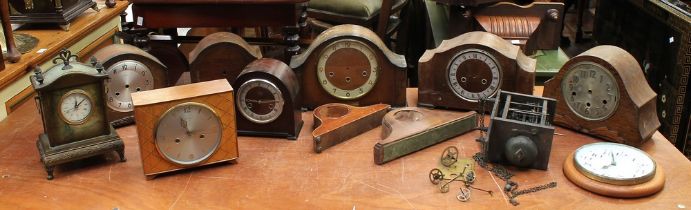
x: 188, y: 133
x: 75, y: 106
x: 614, y: 163
x: 260, y: 101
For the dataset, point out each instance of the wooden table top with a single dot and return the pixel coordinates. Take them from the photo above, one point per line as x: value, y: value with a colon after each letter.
x: 284, y: 174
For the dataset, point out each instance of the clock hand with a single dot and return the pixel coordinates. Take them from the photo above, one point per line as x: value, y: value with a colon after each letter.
x: 183, y: 122
x: 614, y: 163
x: 80, y: 103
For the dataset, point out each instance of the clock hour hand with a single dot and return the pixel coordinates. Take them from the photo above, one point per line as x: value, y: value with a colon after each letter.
x: 261, y: 101
x: 183, y: 123
x: 614, y: 163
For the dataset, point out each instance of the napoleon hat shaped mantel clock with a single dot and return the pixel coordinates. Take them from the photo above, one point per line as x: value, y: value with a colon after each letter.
x: 72, y: 106
x: 470, y: 67
x: 603, y: 92
x: 268, y: 100
x: 350, y: 64
x: 130, y: 70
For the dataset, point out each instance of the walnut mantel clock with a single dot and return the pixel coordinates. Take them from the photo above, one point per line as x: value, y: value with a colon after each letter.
x: 72, y: 107
x: 221, y: 55
x: 185, y: 126
x: 350, y: 64
x: 268, y: 100
x: 130, y: 70
x: 603, y: 92
x: 470, y: 67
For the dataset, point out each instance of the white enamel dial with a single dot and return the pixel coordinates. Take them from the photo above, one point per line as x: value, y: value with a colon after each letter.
x: 75, y: 106
x: 614, y: 163
x: 125, y: 77
x: 474, y: 74
x: 347, y: 69
x: 590, y: 91
x: 260, y: 101
x: 188, y: 133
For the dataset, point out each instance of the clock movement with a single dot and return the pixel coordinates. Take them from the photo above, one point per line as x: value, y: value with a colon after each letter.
x: 603, y: 92
x: 615, y: 170
x: 350, y: 64
x: 470, y: 67
x: 45, y: 11
x: 129, y: 70
x: 521, y: 130
x: 221, y: 55
x: 72, y: 107
x: 335, y: 123
x: 407, y: 130
x: 185, y: 126
x: 268, y: 100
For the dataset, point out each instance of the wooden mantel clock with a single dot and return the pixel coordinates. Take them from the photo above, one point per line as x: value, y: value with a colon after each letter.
x: 350, y: 64
x: 267, y: 100
x: 130, y: 70
x: 72, y: 106
x: 470, y: 67
x: 603, y: 92
x: 221, y: 55
x: 185, y: 126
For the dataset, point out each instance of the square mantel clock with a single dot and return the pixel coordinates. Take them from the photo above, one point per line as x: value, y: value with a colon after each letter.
x: 185, y: 126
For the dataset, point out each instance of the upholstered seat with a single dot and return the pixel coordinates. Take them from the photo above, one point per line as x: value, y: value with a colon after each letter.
x: 359, y: 12
x: 353, y: 8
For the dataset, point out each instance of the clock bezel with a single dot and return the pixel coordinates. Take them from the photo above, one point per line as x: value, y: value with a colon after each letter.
x: 321, y: 64
x: 242, y: 93
x: 206, y: 156
x: 615, y: 85
x: 88, y: 116
x: 108, y: 81
x: 477, y: 50
x: 613, y: 180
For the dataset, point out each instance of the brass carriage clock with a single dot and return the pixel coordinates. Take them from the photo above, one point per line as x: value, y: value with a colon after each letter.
x: 72, y: 107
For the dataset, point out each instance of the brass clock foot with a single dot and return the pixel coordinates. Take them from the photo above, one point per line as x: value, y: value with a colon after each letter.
x: 49, y: 170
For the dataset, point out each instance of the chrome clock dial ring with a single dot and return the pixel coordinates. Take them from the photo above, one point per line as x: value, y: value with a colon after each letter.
x: 260, y: 101
x: 188, y: 133
x: 614, y: 163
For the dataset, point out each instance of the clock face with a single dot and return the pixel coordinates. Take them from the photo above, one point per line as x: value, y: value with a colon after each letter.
x: 127, y: 76
x: 474, y: 74
x: 347, y: 69
x: 614, y: 163
x: 188, y: 133
x: 590, y: 91
x: 260, y: 101
x: 75, y: 107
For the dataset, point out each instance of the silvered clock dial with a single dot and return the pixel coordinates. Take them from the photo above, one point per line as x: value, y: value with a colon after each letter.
x: 347, y: 69
x: 474, y: 74
x: 188, y: 133
x: 590, y: 91
x: 260, y: 101
x: 614, y: 163
x: 75, y: 106
x: 126, y: 77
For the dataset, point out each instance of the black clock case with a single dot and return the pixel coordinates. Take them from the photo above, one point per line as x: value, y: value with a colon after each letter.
x: 289, y: 122
x: 42, y: 11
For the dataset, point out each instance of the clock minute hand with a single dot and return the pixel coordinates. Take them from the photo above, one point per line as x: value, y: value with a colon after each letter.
x: 183, y: 123
x: 80, y: 103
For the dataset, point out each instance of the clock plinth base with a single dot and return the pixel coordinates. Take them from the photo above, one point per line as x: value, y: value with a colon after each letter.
x: 292, y: 135
x: 53, y: 156
x: 618, y: 191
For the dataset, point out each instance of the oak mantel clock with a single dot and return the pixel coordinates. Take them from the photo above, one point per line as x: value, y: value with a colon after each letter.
x: 603, y: 92
x: 350, y: 64
x: 72, y: 107
x: 470, y: 67
x: 130, y: 70
x: 267, y: 100
x: 185, y: 126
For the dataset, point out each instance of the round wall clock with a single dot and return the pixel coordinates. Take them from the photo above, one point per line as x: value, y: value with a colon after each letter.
x: 470, y: 67
x: 614, y: 169
x: 188, y: 133
x: 350, y: 64
x: 266, y: 99
x: 603, y: 92
x: 129, y: 70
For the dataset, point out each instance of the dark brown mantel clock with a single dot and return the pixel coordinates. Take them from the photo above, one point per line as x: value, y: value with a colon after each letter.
x: 48, y: 11
x: 603, y: 92
x: 349, y: 64
x: 268, y: 100
x: 470, y: 67
x: 72, y: 106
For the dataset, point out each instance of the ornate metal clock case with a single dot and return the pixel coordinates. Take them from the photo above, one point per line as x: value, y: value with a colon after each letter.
x: 350, y: 64
x: 221, y: 55
x: 521, y: 130
x: 268, y: 100
x: 130, y: 70
x: 72, y: 107
x: 185, y: 126
x: 472, y: 66
x: 603, y: 92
